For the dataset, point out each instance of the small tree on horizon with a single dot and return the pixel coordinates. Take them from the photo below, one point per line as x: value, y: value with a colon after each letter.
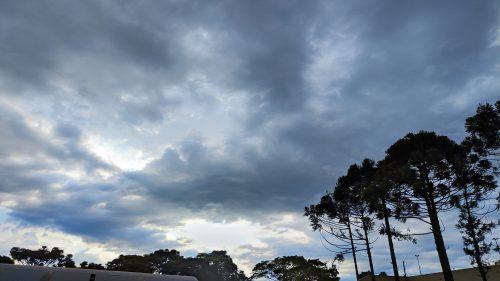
x: 42, y: 257
x: 295, y: 268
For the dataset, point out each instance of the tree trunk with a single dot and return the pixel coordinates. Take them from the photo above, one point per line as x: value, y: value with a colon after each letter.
x: 368, y: 250
x: 477, y: 254
x: 353, y: 249
x: 389, y: 239
x: 438, y: 239
x: 480, y: 266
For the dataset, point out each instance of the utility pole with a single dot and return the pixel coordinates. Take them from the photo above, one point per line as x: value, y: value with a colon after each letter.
x: 418, y: 261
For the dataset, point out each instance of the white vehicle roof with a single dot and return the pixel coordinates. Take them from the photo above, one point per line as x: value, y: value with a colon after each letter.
x: 10, y: 272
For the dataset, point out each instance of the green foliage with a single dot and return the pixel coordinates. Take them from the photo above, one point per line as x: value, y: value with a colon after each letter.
x: 160, y: 258
x: 95, y: 266
x: 5, y: 259
x: 483, y: 129
x: 424, y: 166
x: 477, y: 185
x: 42, y: 257
x: 214, y: 266
x: 295, y: 268
x: 131, y: 263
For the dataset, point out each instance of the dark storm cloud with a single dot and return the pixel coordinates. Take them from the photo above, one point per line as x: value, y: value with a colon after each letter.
x: 271, y: 39
x: 32, y: 160
x: 271, y: 181
x: 88, y: 211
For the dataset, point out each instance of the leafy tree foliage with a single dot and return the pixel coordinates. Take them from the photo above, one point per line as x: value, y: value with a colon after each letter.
x: 349, y: 189
x: 332, y: 218
x: 477, y: 184
x: 295, y: 268
x: 150, y: 263
x: 160, y: 258
x: 131, y: 263
x: 214, y: 266
x: 42, y: 257
x: 96, y: 266
x: 483, y: 129
x: 345, y: 215
x: 5, y: 259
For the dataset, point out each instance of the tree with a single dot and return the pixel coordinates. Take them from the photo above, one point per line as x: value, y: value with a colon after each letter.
x: 483, y: 129
x: 349, y: 189
x: 160, y: 258
x: 383, y: 195
x: 295, y: 268
x: 96, y: 266
x: 42, y: 257
x: 331, y: 217
x: 214, y: 266
x: 5, y: 259
x: 425, y: 165
x: 477, y: 185
x: 67, y: 261
x: 150, y: 263
x: 131, y: 263
x: 365, y: 273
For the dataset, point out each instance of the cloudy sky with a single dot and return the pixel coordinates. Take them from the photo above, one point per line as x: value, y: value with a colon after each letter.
x: 129, y: 126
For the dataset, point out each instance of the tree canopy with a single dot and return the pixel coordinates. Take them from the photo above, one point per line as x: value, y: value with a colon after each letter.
x: 42, y: 257
x: 295, y: 268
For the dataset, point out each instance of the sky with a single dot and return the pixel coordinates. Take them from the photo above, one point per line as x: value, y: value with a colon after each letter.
x: 130, y: 126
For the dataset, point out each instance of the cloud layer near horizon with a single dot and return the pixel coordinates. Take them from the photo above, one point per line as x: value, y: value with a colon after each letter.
x: 127, y: 123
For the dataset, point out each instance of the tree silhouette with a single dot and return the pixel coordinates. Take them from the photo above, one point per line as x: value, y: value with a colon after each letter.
x: 295, y: 268
x: 349, y: 189
x: 477, y: 184
x: 384, y: 197
x: 425, y: 165
x: 160, y: 258
x: 331, y: 217
x: 5, y: 259
x: 131, y: 263
x: 42, y: 257
x: 214, y: 266
x: 483, y: 129
x: 87, y: 265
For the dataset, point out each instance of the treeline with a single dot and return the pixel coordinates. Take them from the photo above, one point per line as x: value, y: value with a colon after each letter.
x: 214, y: 266
x: 422, y: 176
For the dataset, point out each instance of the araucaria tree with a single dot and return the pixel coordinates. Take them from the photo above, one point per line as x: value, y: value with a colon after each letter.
x: 425, y: 165
x: 477, y: 183
x: 483, y: 129
x: 331, y: 218
x: 383, y: 196
x: 477, y: 186
x: 344, y: 215
x: 349, y: 190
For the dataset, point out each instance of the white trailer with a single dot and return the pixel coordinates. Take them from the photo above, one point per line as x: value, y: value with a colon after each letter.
x: 10, y: 272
